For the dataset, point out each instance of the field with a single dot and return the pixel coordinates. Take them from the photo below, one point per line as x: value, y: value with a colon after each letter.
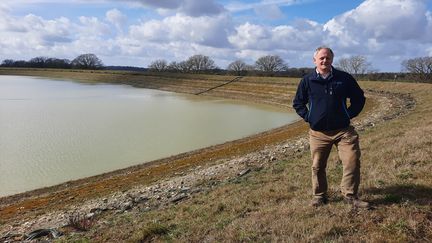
x: 255, y: 189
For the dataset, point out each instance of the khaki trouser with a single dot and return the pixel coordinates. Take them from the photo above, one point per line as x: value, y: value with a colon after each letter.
x: 347, y: 143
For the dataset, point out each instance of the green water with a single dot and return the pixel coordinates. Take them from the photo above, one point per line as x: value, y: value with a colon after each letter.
x: 52, y: 131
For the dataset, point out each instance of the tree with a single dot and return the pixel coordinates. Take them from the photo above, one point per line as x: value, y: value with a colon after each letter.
x: 238, y: 67
x: 354, y: 65
x: 57, y: 63
x: 8, y: 63
x: 174, y: 66
x: 158, y: 65
x: 270, y: 64
x: 182, y: 67
x: 37, y: 62
x: 20, y: 63
x: 87, y: 61
x: 200, y: 63
x: 420, y: 67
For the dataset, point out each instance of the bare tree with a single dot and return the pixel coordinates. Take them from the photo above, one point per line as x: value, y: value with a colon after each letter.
x: 200, y: 63
x: 354, y: 65
x: 87, y: 61
x: 185, y: 66
x: 238, y: 67
x: 57, y: 63
x: 38, y: 62
x: 182, y: 67
x: 174, y: 66
x: 158, y: 65
x: 271, y: 64
x: 421, y: 67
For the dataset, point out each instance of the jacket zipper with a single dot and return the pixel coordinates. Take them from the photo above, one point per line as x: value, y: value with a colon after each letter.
x: 346, y: 110
x: 327, y: 105
x: 310, y: 110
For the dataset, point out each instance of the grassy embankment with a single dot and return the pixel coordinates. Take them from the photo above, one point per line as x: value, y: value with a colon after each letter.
x: 271, y: 204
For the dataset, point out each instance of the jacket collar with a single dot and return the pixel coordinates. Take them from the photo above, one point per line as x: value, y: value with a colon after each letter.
x: 327, y: 76
x: 316, y: 76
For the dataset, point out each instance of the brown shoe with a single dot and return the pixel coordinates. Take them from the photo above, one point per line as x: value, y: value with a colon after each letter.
x: 357, y: 203
x: 318, y: 201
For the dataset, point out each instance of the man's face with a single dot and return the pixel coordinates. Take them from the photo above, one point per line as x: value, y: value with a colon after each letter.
x: 323, y: 60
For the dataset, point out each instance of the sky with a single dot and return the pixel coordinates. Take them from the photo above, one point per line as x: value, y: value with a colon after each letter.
x: 138, y: 32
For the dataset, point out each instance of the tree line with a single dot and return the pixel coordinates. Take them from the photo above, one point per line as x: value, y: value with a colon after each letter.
x: 416, y: 69
x: 269, y: 65
x: 84, y: 61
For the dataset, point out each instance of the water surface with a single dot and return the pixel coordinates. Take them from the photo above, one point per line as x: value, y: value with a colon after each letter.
x: 52, y: 131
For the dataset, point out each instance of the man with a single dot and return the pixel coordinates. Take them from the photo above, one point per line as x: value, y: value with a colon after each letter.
x: 321, y: 100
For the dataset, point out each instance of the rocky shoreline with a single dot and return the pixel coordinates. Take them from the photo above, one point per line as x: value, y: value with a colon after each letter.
x: 185, y: 184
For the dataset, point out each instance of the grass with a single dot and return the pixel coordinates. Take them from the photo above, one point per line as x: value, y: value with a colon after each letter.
x: 271, y: 204
x: 151, y: 232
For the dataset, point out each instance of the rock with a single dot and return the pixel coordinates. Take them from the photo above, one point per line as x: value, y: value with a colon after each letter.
x: 126, y: 206
x: 244, y: 172
x: 179, y: 197
x: 146, y: 209
x: 141, y: 198
x: 196, y: 190
x: 94, y: 210
x: 184, y: 189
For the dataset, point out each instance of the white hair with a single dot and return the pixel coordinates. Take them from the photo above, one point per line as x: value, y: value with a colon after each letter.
x: 321, y: 48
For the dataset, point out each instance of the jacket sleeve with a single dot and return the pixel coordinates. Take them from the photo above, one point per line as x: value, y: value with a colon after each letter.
x: 357, y: 99
x: 301, y: 99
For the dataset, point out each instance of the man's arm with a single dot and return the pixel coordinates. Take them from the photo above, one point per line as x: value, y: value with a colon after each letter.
x: 301, y: 99
x: 357, y: 99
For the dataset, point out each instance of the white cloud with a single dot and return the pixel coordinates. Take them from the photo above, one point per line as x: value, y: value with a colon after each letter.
x: 92, y: 27
x: 303, y: 35
x: 32, y: 35
x: 269, y: 11
x: 250, y: 55
x: 383, y: 20
x: 117, y: 18
x: 250, y: 36
x: 204, y: 30
x: 384, y: 30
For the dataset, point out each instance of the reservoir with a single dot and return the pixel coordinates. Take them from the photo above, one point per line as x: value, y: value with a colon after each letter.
x: 53, y: 131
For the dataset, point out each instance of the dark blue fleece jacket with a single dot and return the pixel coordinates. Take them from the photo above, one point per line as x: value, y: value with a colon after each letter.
x: 323, y: 102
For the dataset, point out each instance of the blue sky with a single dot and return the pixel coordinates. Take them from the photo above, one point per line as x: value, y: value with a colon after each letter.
x: 137, y: 32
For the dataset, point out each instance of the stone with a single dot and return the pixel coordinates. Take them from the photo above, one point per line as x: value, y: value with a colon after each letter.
x: 179, y: 197
x: 185, y: 189
x: 244, y: 172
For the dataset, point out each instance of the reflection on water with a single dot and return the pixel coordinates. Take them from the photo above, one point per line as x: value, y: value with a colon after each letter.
x: 54, y: 131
